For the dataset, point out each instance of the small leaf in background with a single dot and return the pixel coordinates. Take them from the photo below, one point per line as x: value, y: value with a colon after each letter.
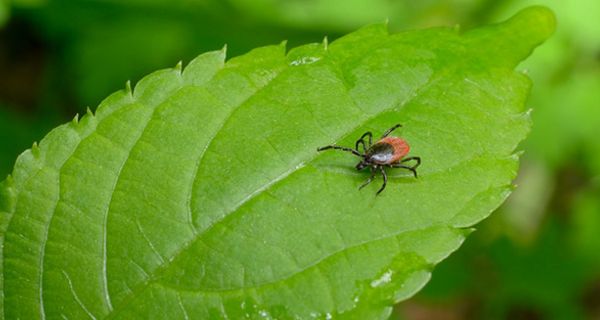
x: 4, y: 12
x: 200, y: 192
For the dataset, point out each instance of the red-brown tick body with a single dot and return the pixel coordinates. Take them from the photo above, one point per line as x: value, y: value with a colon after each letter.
x: 386, y: 152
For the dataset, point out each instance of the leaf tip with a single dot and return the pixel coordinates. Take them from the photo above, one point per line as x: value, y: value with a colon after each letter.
x: 179, y: 66
x: 526, y: 116
x: 510, y: 42
x: 467, y: 231
x: 283, y: 44
x: 516, y: 155
x: 532, y: 26
x: 541, y: 17
x: 128, y: 88
x: 75, y: 119
x: 325, y: 43
x: 9, y: 181
x: 35, y: 149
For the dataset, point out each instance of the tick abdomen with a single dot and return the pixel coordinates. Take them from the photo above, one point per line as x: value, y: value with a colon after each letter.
x: 388, y: 150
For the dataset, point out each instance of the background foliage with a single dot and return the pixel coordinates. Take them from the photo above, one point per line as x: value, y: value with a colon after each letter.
x: 539, y: 257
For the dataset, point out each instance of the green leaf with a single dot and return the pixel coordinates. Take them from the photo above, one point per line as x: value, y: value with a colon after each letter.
x: 201, y: 194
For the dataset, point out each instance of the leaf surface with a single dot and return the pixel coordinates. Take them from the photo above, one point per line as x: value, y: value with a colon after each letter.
x: 200, y: 193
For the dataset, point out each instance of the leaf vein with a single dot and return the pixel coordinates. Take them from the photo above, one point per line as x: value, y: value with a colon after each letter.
x: 76, y: 297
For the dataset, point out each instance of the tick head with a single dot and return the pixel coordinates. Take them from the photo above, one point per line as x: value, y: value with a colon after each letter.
x: 361, y: 165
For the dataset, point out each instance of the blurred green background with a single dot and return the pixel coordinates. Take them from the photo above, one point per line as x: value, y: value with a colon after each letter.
x: 538, y: 257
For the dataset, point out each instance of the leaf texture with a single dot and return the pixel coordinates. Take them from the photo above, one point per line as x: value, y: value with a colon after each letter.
x: 200, y: 194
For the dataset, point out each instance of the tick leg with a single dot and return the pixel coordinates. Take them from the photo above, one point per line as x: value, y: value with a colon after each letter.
x: 384, y: 181
x: 354, y: 152
x: 387, y: 133
x: 418, y: 159
x: 412, y: 169
x: 362, y: 141
x: 368, y: 180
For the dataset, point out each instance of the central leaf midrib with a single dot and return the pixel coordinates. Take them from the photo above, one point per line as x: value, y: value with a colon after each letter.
x: 358, y: 244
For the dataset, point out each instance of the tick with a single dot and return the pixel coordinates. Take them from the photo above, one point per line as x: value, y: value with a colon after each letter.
x: 385, y: 152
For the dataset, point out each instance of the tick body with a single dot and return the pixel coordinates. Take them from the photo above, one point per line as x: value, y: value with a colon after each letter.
x: 385, y: 152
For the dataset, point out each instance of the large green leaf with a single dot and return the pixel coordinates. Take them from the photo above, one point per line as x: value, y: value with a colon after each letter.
x: 201, y: 194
